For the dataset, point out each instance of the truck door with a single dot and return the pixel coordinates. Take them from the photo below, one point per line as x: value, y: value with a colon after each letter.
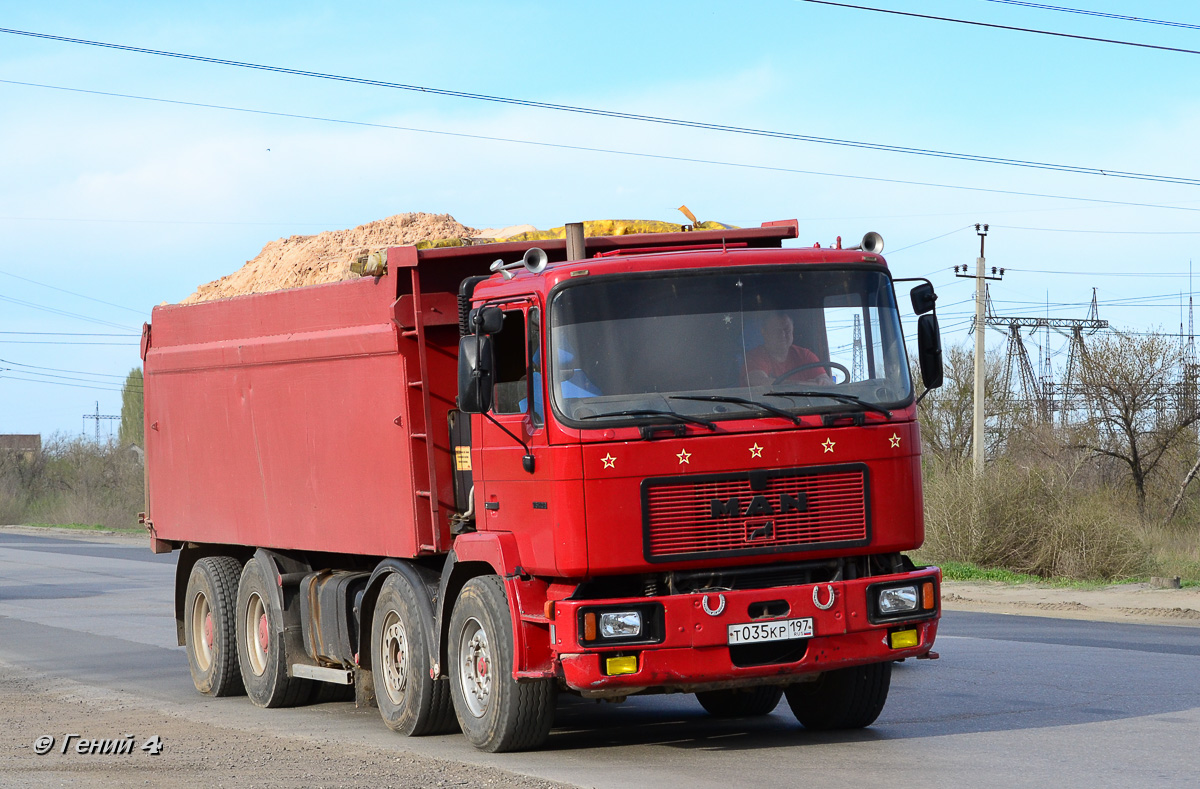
x: 513, y: 498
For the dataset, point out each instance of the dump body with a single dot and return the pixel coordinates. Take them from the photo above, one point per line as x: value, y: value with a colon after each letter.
x: 284, y: 420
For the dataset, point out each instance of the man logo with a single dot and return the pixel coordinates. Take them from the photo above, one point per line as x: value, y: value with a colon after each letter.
x: 760, y: 531
x: 759, y: 506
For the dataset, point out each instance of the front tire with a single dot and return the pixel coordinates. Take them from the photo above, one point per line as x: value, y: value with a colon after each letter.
x: 741, y: 702
x: 209, y: 628
x: 848, y: 698
x: 496, y: 712
x: 410, y: 702
x: 261, y: 652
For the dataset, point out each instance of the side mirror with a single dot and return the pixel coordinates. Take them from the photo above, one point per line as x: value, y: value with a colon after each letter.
x: 486, y: 320
x: 475, y: 373
x: 923, y: 298
x: 929, y: 349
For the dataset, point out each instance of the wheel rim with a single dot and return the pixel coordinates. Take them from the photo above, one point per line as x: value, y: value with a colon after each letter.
x: 257, y: 635
x: 395, y: 658
x: 202, y: 632
x: 475, y: 667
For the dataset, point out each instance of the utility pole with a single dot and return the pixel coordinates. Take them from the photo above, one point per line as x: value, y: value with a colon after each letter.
x: 98, y: 416
x: 980, y: 277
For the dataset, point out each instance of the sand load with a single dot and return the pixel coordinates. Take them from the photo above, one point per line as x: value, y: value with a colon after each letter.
x: 326, y: 257
x: 329, y: 257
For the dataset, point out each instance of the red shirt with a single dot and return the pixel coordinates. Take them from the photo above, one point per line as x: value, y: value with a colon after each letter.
x: 757, y: 359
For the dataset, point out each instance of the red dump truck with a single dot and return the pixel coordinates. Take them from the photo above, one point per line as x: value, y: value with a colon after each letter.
x: 486, y: 475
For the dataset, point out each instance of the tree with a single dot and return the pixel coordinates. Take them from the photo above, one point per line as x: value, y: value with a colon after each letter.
x: 133, y: 426
x: 1128, y: 382
x: 946, y: 413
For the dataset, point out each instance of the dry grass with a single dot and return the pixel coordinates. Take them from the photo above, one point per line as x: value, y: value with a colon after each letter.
x: 1032, y: 520
x: 72, y: 481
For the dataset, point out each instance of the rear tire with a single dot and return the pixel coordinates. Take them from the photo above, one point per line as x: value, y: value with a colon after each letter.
x: 496, y: 712
x: 261, y: 651
x: 741, y: 702
x: 209, y: 629
x: 410, y: 702
x: 848, y: 698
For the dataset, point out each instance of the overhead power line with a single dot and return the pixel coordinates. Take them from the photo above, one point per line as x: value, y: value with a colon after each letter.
x: 888, y: 148
x: 1103, y: 273
x: 60, y: 370
x: 65, y: 334
x: 1105, y: 232
x: 64, y: 313
x: 58, y: 383
x: 72, y: 293
x: 64, y: 342
x: 977, y: 23
x: 612, y: 151
x: 106, y: 384
x: 1101, y: 14
x: 926, y: 241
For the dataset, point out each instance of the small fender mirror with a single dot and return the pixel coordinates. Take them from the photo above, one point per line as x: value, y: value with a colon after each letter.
x: 486, y: 320
x: 923, y: 298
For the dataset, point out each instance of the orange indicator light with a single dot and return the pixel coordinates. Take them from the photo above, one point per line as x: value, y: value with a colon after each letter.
x: 589, y: 627
x: 927, y: 601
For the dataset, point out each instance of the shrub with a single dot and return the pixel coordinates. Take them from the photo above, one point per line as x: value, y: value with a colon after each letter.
x: 73, y: 480
x: 1032, y: 520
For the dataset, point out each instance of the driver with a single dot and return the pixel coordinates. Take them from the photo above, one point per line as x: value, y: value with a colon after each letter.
x: 777, y: 355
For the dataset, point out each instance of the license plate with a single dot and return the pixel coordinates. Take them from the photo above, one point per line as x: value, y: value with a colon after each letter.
x: 777, y: 630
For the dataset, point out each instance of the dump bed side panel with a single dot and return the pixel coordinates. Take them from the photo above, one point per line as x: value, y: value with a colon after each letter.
x: 280, y: 420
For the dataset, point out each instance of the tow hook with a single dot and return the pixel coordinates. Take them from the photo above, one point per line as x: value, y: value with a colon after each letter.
x: 931, y: 655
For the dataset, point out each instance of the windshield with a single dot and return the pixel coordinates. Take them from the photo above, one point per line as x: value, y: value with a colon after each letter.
x: 727, y: 345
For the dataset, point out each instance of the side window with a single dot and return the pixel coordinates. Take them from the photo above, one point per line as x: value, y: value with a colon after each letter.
x: 534, y: 390
x: 511, y: 388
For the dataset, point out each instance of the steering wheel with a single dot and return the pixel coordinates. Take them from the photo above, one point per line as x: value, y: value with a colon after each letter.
x: 831, y: 366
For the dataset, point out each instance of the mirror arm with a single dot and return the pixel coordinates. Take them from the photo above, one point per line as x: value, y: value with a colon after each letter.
x: 527, y: 462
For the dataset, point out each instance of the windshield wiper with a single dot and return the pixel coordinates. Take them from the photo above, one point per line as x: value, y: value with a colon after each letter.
x: 691, y: 420
x: 740, y: 401
x: 845, y: 398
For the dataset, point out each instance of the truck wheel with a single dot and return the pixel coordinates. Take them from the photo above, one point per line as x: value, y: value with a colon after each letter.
x: 848, y: 698
x: 208, y: 626
x: 261, y: 652
x: 409, y: 701
x: 496, y: 712
x: 740, y: 702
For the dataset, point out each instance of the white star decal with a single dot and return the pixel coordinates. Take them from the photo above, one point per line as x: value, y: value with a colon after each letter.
x: 756, y: 451
x: 685, y: 457
x: 894, y: 440
x: 829, y: 443
x: 609, y: 461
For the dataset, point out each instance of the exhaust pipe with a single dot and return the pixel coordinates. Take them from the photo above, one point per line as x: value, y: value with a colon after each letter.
x: 576, y: 245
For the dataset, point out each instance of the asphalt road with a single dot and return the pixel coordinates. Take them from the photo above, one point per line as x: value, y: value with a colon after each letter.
x: 1014, y: 701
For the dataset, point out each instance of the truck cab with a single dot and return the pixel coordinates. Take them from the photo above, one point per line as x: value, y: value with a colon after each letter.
x: 714, y: 452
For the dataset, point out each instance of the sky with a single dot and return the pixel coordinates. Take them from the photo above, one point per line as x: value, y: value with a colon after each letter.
x: 111, y: 204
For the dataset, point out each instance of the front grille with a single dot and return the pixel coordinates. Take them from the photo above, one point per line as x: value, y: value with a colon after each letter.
x: 755, y: 512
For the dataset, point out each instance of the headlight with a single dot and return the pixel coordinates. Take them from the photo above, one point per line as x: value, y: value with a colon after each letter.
x: 898, y: 600
x: 624, y: 624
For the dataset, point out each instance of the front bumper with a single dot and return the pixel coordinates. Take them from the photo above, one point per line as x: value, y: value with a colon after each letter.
x: 694, y: 653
